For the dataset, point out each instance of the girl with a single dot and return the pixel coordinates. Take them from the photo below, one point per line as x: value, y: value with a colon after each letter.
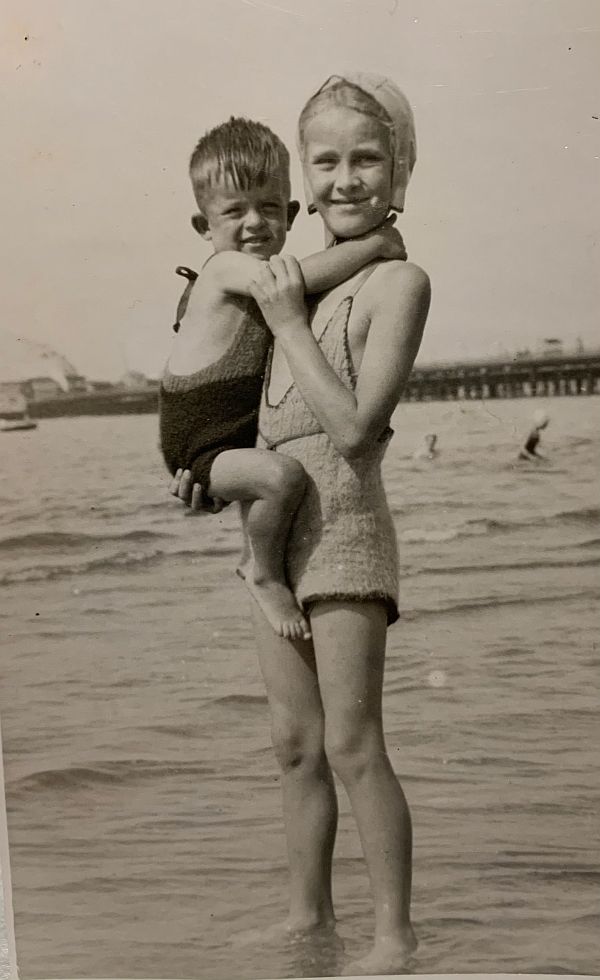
x: 331, y: 386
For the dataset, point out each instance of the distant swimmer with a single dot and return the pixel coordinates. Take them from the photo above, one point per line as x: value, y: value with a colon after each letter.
x: 428, y: 450
x: 529, y: 450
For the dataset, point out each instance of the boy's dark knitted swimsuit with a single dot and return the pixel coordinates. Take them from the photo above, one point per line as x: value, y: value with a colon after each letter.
x: 214, y: 409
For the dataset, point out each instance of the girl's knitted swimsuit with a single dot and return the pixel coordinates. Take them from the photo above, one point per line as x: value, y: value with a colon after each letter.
x: 342, y: 543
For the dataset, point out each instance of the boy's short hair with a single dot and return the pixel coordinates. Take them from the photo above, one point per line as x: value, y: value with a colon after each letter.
x: 239, y: 151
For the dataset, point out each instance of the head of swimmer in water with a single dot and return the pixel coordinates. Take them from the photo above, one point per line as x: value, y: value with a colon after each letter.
x: 356, y: 158
x: 240, y: 173
x: 541, y: 420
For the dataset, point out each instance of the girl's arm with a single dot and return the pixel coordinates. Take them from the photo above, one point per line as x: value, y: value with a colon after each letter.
x: 351, y: 419
x: 235, y: 272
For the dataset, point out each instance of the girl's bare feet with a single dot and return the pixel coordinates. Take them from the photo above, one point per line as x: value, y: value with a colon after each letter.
x: 290, y: 930
x: 389, y: 956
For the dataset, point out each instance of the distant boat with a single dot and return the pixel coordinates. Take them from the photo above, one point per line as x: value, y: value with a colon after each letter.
x: 16, y: 422
x: 14, y: 416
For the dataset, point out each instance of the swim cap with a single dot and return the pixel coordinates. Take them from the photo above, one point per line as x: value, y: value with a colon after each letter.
x: 397, y: 107
x: 540, y: 417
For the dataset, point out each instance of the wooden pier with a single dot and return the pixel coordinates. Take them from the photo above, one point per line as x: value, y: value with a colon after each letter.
x: 522, y: 376
x: 518, y: 377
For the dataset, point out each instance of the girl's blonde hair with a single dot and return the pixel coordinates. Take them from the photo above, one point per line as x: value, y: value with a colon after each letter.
x: 347, y: 96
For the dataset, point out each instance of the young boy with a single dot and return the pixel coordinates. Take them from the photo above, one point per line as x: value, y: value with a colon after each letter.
x: 211, y: 388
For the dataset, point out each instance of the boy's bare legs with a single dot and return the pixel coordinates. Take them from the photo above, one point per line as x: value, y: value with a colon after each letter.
x: 309, y: 800
x: 271, y: 486
x: 349, y: 641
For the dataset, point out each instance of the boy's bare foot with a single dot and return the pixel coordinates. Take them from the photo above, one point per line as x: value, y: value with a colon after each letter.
x: 277, y: 603
x: 388, y: 957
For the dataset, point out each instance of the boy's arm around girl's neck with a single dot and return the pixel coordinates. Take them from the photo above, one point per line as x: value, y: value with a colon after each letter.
x: 234, y: 272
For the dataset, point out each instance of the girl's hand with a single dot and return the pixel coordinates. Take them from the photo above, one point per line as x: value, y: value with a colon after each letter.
x: 279, y: 291
x: 183, y: 487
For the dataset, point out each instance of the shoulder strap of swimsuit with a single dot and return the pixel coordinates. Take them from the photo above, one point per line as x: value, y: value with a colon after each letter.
x: 360, y: 279
x: 350, y: 290
x: 191, y: 276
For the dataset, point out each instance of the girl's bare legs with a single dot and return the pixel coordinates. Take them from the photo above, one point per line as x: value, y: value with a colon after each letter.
x: 349, y: 641
x: 309, y: 800
x: 270, y: 485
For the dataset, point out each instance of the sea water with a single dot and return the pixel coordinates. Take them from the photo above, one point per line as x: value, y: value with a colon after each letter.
x: 143, y: 797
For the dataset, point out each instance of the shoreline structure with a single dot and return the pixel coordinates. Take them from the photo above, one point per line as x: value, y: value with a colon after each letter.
x: 517, y: 376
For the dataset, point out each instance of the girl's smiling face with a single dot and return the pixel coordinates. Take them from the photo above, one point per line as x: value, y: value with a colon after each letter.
x: 348, y: 164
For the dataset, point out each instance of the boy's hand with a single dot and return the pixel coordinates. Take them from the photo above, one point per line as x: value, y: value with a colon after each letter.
x: 391, y: 242
x: 279, y: 291
x: 191, y: 493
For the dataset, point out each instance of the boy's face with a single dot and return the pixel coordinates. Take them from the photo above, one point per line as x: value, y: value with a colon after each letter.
x: 251, y: 221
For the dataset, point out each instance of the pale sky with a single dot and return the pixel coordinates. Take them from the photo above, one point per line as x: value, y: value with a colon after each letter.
x: 102, y: 102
